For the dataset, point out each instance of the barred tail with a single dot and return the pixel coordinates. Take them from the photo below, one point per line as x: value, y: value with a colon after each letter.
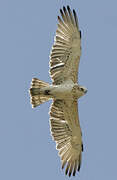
x: 37, y: 95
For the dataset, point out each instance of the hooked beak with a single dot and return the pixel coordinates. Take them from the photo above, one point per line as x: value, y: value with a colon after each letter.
x: 85, y: 91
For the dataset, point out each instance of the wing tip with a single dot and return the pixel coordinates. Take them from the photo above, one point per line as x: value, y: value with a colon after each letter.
x: 61, y: 11
x: 74, y: 173
x: 82, y: 147
x: 64, y: 8
x: 70, y: 173
x: 68, y: 8
x: 79, y: 168
x: 58, y: 17
x: 74, y: 12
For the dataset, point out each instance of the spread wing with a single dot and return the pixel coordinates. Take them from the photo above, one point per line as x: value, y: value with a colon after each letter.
x: 66, y: 51
x: 65, y: 130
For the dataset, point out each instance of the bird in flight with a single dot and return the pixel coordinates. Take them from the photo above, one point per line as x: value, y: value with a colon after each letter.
x: 64, y: 91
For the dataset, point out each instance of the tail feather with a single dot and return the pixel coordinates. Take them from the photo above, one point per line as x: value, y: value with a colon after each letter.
x: 36, y: 94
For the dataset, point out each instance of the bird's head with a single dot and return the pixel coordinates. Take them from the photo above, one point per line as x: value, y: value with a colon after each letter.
x: 79, y: 91
x: 82, y: 90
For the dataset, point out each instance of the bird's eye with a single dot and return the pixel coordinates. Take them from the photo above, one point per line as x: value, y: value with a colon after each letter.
x: 82, y: 89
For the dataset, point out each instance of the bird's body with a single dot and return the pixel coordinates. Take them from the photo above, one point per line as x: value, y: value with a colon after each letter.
x: 64, y: 91
x: 67, y: 90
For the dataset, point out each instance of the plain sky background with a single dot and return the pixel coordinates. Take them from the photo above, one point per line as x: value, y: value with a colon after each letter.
x: 27, y: 29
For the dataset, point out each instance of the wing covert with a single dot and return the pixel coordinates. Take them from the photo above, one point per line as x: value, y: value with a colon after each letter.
x: 66, y: 51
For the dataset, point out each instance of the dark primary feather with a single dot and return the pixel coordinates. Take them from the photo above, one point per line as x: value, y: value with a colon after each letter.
x: 70, y: 14
x: 76, y: 19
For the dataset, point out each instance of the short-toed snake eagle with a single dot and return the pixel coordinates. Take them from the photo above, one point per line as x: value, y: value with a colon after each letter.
x: 64, y: 91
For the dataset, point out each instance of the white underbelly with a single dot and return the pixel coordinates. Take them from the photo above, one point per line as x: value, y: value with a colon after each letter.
x: 62, y: 91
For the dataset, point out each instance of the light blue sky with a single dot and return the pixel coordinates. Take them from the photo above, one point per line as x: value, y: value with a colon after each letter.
x: 27, y: 29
